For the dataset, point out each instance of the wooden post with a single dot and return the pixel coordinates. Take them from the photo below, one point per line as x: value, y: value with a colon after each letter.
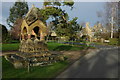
x: 28, y: 67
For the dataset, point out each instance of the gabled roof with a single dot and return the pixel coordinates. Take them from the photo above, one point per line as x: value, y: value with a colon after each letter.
x: 32, y: 15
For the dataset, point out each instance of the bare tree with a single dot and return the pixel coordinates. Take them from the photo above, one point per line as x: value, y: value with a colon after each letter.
x: 110, y: 16
x: 15, y: 30
x: 49, y: 29
x: 119, y: 19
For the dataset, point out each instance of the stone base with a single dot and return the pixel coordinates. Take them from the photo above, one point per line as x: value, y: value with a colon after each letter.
x: 20, y: 60
x: 32, y: 46
x: 33, y: 53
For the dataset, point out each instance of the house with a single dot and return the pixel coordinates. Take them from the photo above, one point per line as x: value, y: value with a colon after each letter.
x: 93, y: 33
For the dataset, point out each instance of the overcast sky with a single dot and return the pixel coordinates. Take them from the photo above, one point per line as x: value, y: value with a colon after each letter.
x: 85, y: 11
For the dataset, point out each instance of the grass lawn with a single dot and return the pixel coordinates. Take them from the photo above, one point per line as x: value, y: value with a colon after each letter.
x: 10, y: 47
x: 50, y: 71
x: 51, y: 46
x: 63, y: 47
x: 108, y: 44
x: 100, y: 43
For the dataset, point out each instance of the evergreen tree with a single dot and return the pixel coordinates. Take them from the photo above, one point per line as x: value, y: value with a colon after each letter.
x: 4, y: 33
x: 17, y: 11
x: 60, y: 18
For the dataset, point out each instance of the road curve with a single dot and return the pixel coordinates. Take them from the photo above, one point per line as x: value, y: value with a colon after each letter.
x: 101, y: 64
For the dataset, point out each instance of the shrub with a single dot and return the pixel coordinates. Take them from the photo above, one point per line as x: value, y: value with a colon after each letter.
x: 4, y: 33
x: 113, y: 41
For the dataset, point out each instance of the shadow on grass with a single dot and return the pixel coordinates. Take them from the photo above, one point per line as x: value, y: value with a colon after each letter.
x: 62, y: 47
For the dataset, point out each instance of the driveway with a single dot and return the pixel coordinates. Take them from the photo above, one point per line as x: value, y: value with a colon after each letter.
x: 100, y: 64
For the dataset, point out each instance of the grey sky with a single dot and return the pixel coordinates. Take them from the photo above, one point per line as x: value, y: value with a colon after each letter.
x: 85, y: 11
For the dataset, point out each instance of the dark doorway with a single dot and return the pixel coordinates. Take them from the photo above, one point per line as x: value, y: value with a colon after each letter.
x: 36, y: 30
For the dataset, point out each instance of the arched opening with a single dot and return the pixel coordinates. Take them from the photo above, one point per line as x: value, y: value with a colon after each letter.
x: 35, y: 32
x: 24, y: 32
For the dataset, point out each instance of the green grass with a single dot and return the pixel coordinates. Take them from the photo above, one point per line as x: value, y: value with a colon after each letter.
x: 63, y: 47
x: 35, y: 72
x: 113, y: 41
x: 10, y: 47
x: 50, y: 71
x: 100, y: 43
x: 51, y: 46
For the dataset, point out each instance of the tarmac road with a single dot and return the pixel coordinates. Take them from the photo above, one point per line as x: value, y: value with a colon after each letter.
x: 101, y: 64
